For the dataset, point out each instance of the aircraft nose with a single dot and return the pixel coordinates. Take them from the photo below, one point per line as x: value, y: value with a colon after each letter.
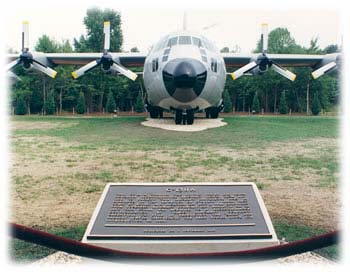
x: 184, y: 79
x: 184, y: 75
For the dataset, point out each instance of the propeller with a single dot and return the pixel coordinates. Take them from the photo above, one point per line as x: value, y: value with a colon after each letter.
x: 263, y: 62
x: 323, y: 70
x: 106, y: 61
x: 26, y: 57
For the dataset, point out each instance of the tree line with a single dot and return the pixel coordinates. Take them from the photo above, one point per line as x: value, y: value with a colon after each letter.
x: 100, y: 92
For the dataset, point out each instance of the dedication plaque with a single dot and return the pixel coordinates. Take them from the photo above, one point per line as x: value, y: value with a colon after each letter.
x: 164, y: 213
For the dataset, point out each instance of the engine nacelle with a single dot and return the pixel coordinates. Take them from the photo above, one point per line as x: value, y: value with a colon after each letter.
x: 259, y: 70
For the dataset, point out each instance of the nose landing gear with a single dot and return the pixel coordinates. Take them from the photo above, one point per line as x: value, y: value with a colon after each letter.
x: 183, y: 117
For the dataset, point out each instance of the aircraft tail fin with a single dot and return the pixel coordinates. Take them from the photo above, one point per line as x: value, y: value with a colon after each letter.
x: 184, y: 21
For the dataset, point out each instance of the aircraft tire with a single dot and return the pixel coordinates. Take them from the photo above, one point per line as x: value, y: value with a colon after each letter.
x: 178, y: 117
x: 214, y: 113
x: 153, y: 113
x: 190, y: 117
x: 207, y: 113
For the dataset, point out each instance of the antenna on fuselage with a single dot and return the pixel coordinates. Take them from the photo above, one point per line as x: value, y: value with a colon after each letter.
x: 184, y: 22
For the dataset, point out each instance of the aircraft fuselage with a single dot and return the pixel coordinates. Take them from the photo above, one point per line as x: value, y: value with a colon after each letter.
x: 184, y: 71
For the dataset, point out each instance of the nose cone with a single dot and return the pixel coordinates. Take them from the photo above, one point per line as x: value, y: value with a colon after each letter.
x: 184, y: 79
x: 184, y: 75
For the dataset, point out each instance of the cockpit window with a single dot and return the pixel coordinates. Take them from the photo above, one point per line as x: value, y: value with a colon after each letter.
x: 196, y: 41
x: 172, y: 42
x: 185, y: 40
x: 160, y: 44
x: 209, y: 45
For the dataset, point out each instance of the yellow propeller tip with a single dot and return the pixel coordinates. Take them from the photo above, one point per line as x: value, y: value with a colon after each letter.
x: 106, y: 23
x: 264, y: 24
x: 294, y: 77
x: 54, y: 74
x: 313, y: 75
x: 74, y: 75
x: 25, y: 22
x: 233, y: 76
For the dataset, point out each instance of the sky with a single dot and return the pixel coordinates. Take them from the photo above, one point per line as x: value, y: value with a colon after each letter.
x: 144, y: 25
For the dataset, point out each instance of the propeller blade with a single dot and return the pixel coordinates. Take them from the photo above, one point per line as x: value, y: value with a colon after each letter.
x: 128, y: 73
x: 82, y: 70
x: 264, y: 37
x: 107, y: 32
x: 246, y: 68
x: 44, y: 69
x: 12, y: 76
x: 12, y: 64
x: 284, y: 72
x: 25, y: 36
x: 324, y: 69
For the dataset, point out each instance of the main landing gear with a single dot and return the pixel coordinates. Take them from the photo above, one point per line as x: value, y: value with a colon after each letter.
x: 184, y: 117
x: 213, y: 112
x: 155, y: 112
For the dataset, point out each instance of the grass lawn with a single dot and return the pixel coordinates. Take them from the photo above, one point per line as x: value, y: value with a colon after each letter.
x: 60, y: 166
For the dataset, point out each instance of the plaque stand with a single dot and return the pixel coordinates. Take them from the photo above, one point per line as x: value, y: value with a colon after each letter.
x: 180, y: 218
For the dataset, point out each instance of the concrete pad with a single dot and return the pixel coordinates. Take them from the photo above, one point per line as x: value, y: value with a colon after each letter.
x: 198, y: 125
x: 309, y: 258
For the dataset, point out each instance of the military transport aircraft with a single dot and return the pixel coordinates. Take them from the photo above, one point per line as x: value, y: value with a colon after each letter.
x: 183, y: 72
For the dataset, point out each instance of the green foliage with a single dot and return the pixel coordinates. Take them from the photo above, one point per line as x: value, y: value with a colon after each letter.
x: 256, y: 104
x: 94, y: 40
x: 225, y: 50
x: 21, y: 107
x: 227, y: 101
x: 110, y: 106
x: 316, y: 105
x: 81, y: 103
x: 139, y: 106
x: 50, y: 106
x: 283, y: 107
x: 293, y: 233
x: 96, y: 85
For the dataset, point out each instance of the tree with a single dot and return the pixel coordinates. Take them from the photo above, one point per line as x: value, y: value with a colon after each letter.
x: 256, y: 104
x: 283, y: 108
x: 46, y: 45
x: 227, y: 101
x: 81, y: 103
x: 316, y: 105
x: 21, y: 107
x: 50, y: 105
x: 225, y: 50
x: 139, y: 106
x: 110, y: 106
x: 93, y: 21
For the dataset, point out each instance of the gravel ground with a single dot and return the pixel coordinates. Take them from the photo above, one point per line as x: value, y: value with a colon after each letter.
x: 198, y: 125
x: 305, y: 258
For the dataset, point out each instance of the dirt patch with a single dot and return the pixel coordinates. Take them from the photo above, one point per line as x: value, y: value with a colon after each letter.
x: 57, y: 184
x: 25, y: 125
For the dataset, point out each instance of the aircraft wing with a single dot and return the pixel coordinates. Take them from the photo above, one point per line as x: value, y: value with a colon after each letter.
x: 247, y: 63
x: 125, y: 59
x: 118, y: 62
